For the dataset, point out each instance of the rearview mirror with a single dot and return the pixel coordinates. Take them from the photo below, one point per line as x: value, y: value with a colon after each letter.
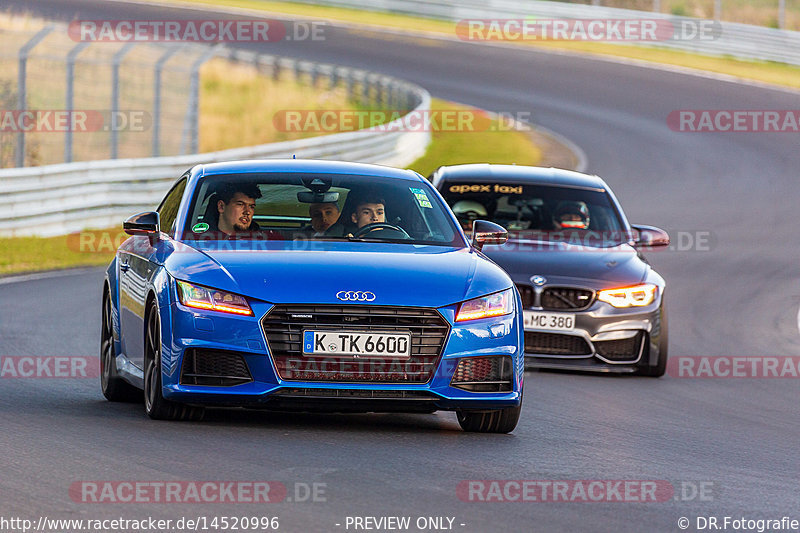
x: 147, y: 224
x: 485, y: 232
x: 649, y: 236
x: 308, y: 197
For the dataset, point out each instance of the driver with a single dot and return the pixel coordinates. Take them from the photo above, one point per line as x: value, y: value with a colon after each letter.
x: 572, y: 215
x: 236, y: 205
x: 369, y: 210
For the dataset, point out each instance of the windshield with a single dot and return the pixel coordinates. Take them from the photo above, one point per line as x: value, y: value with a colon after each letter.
x: 538, y: 212
x: 294, y: 206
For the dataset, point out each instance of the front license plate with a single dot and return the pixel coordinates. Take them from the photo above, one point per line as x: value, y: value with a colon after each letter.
x: 356, y: 344
x: 551, y: 321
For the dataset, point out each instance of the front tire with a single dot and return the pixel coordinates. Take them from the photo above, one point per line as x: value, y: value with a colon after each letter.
x: 155, y: 405
x: 114, y: 388
x: 496, y: 421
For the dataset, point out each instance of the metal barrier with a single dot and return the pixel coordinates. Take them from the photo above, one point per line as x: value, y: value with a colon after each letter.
x: 63, y: 198
x: 737, y: 40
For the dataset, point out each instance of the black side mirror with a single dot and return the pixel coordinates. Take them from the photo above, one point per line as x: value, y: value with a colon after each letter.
x: 485, y: 232
x: 649, y: 236
x: 147, y: 224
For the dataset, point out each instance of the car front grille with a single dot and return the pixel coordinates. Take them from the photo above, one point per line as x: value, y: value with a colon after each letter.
x: 556, y: 298
x: 622, y: 349
x: 484, y: 374
x: 284, y: 324
x: 214, y: 368
x: 555, y: 344
x: 527, y: 295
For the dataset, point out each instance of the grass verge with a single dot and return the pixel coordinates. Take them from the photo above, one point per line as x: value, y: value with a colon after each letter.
x: 91, y: 248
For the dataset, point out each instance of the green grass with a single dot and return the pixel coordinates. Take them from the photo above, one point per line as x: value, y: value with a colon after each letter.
x: 767, y: 72
x: 90, y: 248
x: 31, y: 254
x: 495, y: 145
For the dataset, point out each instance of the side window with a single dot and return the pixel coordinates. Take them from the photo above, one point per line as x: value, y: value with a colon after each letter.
x: 168, y: 210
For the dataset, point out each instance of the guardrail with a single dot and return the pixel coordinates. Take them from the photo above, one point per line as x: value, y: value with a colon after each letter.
x: 63, y: 198
x: 737, y: 40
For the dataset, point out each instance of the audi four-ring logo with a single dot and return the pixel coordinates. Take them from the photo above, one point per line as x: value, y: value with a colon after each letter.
x: 356, y: 296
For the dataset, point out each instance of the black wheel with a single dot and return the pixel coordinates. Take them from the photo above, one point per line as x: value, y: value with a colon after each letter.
x: 660, y: 368
x: 114, y: 388
x: 155, y: 405
x: 496, y: 421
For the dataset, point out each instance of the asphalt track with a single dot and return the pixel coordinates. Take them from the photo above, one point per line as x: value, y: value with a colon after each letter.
x: 736, y: 294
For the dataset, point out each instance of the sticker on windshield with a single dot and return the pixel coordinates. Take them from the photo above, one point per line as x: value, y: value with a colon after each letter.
x: 200, y: 227
x: 422, y: 198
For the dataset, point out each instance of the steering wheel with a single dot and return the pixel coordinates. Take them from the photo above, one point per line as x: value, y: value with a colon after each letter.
x: 380, y: 225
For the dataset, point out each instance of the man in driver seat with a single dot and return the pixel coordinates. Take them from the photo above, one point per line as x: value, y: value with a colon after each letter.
x: 572, y: 215
x: 369, y: 210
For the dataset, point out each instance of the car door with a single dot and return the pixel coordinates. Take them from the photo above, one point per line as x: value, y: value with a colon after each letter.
x: 137, y: 266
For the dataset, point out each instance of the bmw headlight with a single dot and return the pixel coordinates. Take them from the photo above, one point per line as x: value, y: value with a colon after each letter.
x: 497, y: 304
x: 199, y: 297
x: 636, y: 296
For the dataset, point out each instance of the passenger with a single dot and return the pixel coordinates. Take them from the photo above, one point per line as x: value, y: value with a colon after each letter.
x: 323, y: 216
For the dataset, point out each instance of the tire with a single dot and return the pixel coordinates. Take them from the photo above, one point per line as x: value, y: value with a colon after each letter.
x: 660, y: 367
x: 114, y: 388
x: 155, y: 405
x: 497, y: 421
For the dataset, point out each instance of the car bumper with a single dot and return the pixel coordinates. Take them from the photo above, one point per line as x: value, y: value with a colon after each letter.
x: 259, y: 383
x: 604, y: 339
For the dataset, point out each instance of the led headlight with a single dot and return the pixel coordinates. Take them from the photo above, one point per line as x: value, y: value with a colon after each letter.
x: 212, y: 299
x: 497, y: 304
x: 636, y: 296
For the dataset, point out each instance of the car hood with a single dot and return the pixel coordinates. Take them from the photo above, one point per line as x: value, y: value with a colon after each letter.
x: 398, y: 274
x: 562, y: 263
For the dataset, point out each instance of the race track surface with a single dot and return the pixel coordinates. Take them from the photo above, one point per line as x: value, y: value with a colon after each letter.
x: 735, y: 294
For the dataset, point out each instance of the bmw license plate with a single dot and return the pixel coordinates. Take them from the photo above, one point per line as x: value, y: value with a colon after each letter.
x: 549, y: 321
x: 356, y: 344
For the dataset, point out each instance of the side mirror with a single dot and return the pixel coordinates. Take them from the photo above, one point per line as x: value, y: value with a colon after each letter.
x: 146, y: 224
x: 485, y: 232
x: 649, y: 236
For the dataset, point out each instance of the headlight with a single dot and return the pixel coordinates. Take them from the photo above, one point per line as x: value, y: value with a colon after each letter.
x: 636, y: 296
x: 497, y: 304
x: 212, y: 299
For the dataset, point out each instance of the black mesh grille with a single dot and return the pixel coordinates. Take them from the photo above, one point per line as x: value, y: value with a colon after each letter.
x: 565, y: 298
x: 556, y: 298
x: 620, y: 350
x: 283, y: 328
x: 214, y: 367
x: 484, y: 374
x: 555, y: 344
x: 526, y: 293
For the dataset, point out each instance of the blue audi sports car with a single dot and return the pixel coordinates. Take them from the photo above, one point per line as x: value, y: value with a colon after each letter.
x: 311, y: 285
